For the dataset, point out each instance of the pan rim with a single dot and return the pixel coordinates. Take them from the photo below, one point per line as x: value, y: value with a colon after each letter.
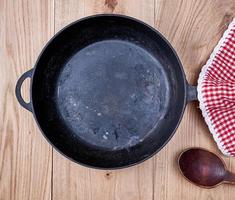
x: 113, y: 16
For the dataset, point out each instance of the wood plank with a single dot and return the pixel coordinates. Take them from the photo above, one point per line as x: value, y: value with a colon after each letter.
x: 71, y: 181
x: 25, y: 156
x: 194, y: 28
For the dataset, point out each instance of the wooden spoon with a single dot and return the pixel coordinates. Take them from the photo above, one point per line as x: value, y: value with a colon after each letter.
x: 204, y: 168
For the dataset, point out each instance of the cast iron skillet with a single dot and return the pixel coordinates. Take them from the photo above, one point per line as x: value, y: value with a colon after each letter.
x: 107, y: 91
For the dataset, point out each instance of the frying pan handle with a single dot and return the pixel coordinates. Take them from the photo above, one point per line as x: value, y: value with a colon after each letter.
x: 19, y: 83
x: 191, y: 93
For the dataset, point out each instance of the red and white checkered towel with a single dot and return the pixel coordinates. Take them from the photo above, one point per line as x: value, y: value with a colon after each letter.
x: 216, y: 92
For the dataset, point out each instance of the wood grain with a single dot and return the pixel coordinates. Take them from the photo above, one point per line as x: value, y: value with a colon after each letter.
x: 29, y: 169
x: 194, y: 28
x: 25, y: 156
x: 71, y: 181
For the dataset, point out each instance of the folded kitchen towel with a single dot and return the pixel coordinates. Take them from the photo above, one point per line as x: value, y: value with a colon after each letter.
x: 216, y: 92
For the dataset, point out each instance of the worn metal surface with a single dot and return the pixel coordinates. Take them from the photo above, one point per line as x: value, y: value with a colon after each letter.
x: 112, y: 93
x: 108, y: 97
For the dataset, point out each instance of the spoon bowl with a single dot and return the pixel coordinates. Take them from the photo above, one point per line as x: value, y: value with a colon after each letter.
x: 204, y: 168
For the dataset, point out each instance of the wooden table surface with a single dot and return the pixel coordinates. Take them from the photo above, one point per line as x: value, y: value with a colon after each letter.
x: 31, y: 169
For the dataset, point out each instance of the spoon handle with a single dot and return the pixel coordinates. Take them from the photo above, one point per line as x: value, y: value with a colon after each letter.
x: 229, y: 177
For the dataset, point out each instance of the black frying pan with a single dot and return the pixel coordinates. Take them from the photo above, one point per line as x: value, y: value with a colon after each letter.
x: 107, y: 91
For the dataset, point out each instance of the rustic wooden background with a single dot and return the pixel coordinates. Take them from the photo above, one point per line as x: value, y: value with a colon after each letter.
x: 31, y: 169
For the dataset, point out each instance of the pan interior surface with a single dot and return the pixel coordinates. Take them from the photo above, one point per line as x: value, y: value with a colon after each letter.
x: 111, y: 94
x: 108, y: 91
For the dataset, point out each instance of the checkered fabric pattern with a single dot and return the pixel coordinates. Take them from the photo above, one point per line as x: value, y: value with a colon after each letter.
x: 216, y: 92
